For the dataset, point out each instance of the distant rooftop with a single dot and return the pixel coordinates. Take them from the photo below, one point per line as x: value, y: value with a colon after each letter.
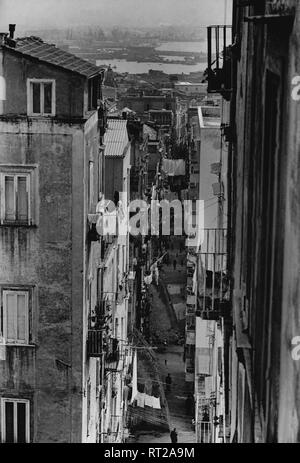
x: 35, y: 47
x: 116, y: 138
x: 190, y: 83
x: 209, y: 119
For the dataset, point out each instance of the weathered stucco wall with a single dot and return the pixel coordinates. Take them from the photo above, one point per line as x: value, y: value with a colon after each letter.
x: 69, y: 87
x: 273, y: 379
x: 49, y: 258
x: 289, y: 423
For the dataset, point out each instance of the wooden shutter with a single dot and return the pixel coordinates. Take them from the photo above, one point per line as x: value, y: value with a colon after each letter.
x: 22, y: 198
x: 22, y: 317
x: 16, y: 317
x: 36, y: 98
x: 10, y: 199
x: 9, y: 317
x: 47, y: 97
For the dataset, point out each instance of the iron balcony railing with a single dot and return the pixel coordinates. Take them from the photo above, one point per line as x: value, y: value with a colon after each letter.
x: 94, y: 343
x: 213, y: 282
x: 219, y: 73
x: 204, y: 432
x: 112, y: 354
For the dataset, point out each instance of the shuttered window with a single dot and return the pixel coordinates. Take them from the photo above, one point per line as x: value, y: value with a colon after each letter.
x: 15, y: 198
x: 16, y: 317
x: 15, y: 421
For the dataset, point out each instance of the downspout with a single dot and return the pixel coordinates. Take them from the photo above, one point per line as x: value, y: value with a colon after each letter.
x: 2, y: 78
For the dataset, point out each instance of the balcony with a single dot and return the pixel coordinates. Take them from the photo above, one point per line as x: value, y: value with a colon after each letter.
x: 191, y: 300
x: 92, y: 232
x: 204, y: 432
x: 112, y: 354
x: 190, y: 366
x: 213, y: 282
x: 103, y: 227
x: 94, y: 343
x: 190, y: 322
x: 219, y: 73
x: 190, y: 310
x: 278, y: 15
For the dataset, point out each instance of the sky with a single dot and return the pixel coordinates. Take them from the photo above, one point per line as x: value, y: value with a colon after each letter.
x: 59, y: 13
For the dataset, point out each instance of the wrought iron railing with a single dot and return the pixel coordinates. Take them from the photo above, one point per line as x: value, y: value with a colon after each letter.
x: 219, y: 60
x: 112, y: 353
x: 204, y: 432
x: 94, y: 343
x: 213, y: 281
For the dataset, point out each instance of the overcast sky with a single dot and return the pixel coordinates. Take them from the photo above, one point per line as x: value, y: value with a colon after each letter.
x: 50, y: 13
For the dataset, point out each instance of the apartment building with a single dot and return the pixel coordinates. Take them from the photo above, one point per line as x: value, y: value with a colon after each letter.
x: 51, y: 175
x: 191, y: 88
x: 116, y: 292
x: 206, y: 270
x: 257, y: 75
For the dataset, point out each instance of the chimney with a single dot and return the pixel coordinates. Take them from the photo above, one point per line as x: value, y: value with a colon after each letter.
x: 12, y: 28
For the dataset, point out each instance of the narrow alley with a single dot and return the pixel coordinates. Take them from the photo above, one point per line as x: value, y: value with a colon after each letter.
x: 165, y: 325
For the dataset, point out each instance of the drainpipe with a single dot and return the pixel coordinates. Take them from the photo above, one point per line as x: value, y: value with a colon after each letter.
x: 2, y: 78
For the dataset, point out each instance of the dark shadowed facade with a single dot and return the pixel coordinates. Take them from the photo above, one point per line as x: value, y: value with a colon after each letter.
x: 264, y: 226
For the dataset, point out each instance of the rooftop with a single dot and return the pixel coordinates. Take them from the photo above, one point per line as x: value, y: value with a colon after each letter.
x: 116, y: 138
x: 35, y: 47
x: 191, y: 83
x: 209, y: 120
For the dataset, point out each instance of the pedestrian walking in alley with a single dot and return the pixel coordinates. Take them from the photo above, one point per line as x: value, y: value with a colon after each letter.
x: 168, y: 382
x: 174, y: 264
x: 173, y: 435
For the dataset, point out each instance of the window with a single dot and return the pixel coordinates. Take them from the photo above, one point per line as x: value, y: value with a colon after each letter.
x: 91, y: 184
x: 41, y: 97
x: 15, y: 422
x: 116, y: 328
x: 94, y: 86
x: 15, y: 197
x: 88, y: 408
x: 15, y: 317
x: 122, y: 329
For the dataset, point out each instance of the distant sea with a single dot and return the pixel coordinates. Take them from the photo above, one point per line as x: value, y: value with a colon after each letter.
x: 196, y: 47
x: 133, y: 67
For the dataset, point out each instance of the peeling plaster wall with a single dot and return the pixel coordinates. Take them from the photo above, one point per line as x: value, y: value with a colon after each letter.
x: 289, y: 412
x: 69, y: 87
x: 48, y: 257
x: 263, y: 49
